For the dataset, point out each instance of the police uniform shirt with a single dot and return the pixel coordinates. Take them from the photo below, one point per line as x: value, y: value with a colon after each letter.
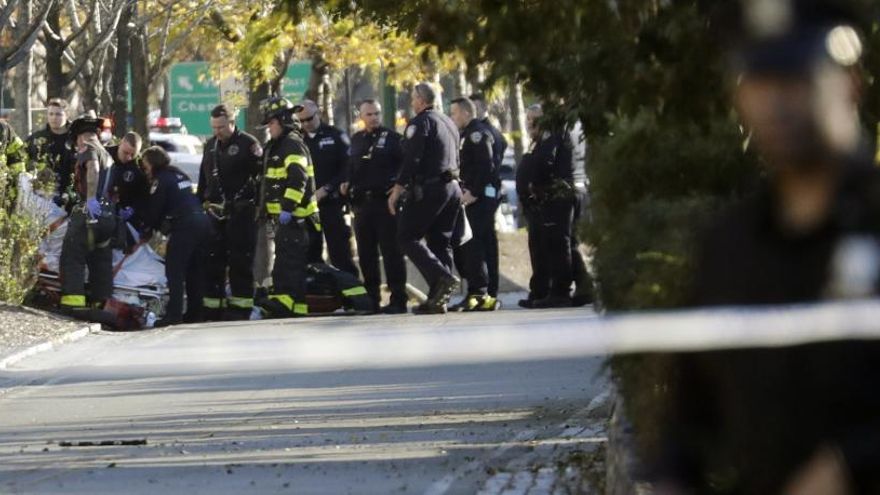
x: 239, y: 163
x: 748, y: 258
x: 47, y: 149
x: 430, y: 147
x: 329, y: 149
x: 724, y: 397
x: 553, y: 159
x: 171, y: 196
x: 375, y: 159
x: 499, y: 144
x: 129, y: 186
x: 477, y: 169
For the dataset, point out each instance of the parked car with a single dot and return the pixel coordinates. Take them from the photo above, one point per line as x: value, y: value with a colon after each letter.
x: 184, y: 150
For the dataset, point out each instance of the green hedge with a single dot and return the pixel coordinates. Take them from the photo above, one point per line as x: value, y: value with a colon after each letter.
x: 653, y: 184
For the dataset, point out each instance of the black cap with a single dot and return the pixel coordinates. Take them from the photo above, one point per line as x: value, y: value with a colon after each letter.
x: 85, y: 123
x: 792, y: 36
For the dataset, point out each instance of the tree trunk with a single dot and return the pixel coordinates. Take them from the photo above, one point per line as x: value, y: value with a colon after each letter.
x: 23, y: 74
x: 140, y: 90
x: 120, y: 73
x: 254, y: 116
x: 518, y: 117
x: 55, y: 87
x: 165, y: 104
x: 461, y: 83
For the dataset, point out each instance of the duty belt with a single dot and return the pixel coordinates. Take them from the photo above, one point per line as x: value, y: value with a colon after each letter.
x: 443, y: 178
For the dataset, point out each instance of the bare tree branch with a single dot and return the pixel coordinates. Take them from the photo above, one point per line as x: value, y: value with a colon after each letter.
x: 6, y: 13
x: 16, y: 55
x: 82, y: 29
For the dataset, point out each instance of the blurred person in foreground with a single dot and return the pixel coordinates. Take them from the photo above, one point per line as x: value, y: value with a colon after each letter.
x: 803, y: 419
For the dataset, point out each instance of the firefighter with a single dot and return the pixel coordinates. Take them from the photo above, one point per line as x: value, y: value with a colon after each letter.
x: 50, y: 151
x: 12, y: 156
x: 175, y: 210
x: 230, y: 170
x: 91, y: 225
x: 288, y: 207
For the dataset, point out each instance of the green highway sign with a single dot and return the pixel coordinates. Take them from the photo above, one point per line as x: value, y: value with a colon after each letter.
x: 194, y: 92
x: 193, y: 95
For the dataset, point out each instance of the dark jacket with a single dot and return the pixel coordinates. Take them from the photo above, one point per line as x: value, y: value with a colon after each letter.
x: 477, y: 168
x: 329, y: 151
x: 430, y: 147
x: 375, y: 160
x: 230, y: 170
x: 288, y: 183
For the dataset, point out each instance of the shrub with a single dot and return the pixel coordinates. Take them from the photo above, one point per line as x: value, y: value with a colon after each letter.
x: 22, y: 228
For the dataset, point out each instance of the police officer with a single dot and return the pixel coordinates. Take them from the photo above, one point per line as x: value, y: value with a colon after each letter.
x: 176, y: 211
x: 480, y: 184
x: 545, y: 184
x: 328, y: 147
x: 288, y: 205
x: 50, y: 150
x: 376, y: 155
x: 228, y: 180
x: 800, y: 419
x: 499, y: 146
x: 92, y: 222
x: 129, y: 188
x: 433, y: 203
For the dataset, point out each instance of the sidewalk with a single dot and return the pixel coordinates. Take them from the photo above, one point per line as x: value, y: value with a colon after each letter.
x: 25, y: 331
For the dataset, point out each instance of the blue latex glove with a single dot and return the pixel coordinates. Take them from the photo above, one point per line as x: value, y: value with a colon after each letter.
x: 126, y: 213
x: 285, y: 217
x: 93, y: 207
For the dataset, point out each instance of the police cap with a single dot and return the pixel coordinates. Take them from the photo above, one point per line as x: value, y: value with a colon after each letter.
x: 792, y: 36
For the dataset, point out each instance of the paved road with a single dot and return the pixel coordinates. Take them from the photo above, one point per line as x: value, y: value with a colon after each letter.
x: 382, y: 404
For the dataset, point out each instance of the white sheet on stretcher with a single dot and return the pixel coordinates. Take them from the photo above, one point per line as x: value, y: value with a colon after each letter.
x: 143, y: 267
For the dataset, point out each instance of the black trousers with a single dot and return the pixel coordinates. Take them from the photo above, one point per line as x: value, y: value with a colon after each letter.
x: 375, y: 229
x: 86, y: 244
x: 289, y: 270
x: 550, y: 244
x: 425, y: 228
x: 492, y: 257
x: 472, y: 258
x: 184, y: 264
x: 338, y: 236
x: 231, y: 250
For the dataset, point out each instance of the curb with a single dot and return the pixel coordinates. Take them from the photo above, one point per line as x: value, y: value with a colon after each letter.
x: 66, y: 338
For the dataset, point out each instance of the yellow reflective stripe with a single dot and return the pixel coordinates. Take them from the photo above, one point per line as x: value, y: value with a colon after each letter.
x: 489, y: 303
x: 212, y: 302
x: 310, y: 170
x: 294, y: 195
x: 301, y: 309
x: 15, y: 145
x: 355, y: 291
x: 311, y: 209
x: 297, y: 159
x: 240, y: 302
x: 284, y: 299
x: 273, y: 207
x: 73, y: 301
x: 276, y: 173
